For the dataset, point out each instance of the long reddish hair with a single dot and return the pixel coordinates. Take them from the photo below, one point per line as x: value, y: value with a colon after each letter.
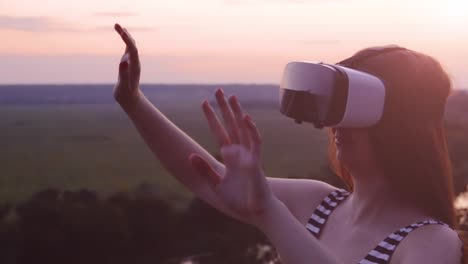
x: 409, y: 142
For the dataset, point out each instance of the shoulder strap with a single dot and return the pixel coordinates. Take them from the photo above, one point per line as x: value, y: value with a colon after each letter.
x: 324, y: 209
x: 384, y: 250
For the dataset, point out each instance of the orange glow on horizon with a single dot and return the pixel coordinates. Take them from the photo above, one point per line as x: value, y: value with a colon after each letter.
x: 233, y: 39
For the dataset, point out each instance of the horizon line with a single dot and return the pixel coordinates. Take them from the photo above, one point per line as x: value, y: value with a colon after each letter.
x: 155, y: 83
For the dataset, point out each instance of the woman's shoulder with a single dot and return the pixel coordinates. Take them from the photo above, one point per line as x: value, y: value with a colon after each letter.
x: 301, y: 196
x: 433, y: 243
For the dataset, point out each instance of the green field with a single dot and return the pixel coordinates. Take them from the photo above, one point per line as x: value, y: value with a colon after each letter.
x: 96, y: 147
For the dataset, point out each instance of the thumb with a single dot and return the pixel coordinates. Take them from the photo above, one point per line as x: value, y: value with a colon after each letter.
x: 204, y: 169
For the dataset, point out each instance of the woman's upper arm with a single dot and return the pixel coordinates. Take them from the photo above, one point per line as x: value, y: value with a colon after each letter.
x: 430, y: 244
x: 301, y: 196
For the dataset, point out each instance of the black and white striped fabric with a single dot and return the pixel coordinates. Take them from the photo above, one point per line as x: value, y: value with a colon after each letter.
x: 382, y: 253
x: 323, y: 210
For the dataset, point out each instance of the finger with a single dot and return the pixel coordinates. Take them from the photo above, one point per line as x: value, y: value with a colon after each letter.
x: 205, y: 170
x: 132, y: 49
x: 122, y: 34
x: 256, y: 139
x: 131, y: 52
x: 215, y: 126
x: 239, y: 116
x: 127, y: 38
x: 228, y: 117
x: 118, y: 28
x: 132, y: 44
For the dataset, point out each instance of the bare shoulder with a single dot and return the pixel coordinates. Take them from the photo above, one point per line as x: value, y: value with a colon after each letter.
x: 301, y: 196
x: 430, y: 244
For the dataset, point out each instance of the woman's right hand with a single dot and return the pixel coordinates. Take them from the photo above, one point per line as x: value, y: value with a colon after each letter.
x: 242, y: 187
x: 127, y: 87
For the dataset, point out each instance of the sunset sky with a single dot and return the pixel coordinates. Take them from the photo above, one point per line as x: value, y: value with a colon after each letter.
x: 215, y: 41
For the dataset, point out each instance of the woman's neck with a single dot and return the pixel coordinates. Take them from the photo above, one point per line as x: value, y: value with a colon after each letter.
x: 373, y: 202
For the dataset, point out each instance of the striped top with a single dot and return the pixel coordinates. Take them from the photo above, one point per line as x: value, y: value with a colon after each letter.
x: 382, y: 253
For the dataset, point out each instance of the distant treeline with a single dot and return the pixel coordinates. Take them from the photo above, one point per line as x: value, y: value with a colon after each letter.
x: 82, y: 227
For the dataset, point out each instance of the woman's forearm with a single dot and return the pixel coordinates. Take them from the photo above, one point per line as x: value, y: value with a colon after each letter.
x: 294, y: 243
x: 170, y: 144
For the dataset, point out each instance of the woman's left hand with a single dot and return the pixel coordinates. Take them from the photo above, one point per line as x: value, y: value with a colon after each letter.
x: 243, y: 187
x: 128, y: 84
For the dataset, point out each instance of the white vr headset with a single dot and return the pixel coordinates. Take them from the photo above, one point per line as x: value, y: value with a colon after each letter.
x: 333, y: 95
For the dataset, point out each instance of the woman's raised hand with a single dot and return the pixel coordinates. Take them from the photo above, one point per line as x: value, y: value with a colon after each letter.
x: 127, y: 86
x: 243, y: 188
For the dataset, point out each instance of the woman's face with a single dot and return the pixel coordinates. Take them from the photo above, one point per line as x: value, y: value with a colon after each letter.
x: 353, y: 146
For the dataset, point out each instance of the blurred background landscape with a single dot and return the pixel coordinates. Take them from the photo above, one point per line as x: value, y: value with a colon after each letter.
x: 77, y: 178
x: 77, y: 137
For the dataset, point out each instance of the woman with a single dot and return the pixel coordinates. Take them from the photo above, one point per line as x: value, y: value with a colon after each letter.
x: 398, y: 171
